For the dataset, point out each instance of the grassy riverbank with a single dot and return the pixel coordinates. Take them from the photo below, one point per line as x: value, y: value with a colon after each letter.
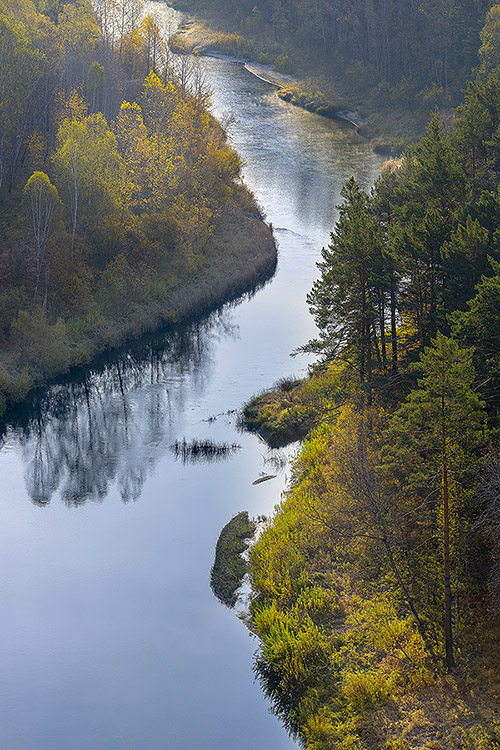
x: 390, y: 117
x: 290, y: 410
x: 341, y: 657
x: 238, y: 256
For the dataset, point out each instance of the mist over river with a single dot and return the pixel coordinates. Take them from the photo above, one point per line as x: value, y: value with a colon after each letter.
x: 110, y: 636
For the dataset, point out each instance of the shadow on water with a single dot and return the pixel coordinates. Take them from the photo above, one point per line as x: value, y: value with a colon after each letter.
x: 112, y: 420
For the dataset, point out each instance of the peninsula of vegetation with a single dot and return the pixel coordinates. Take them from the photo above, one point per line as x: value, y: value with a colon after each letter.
x: 121, y: 203
x: 376, y: 585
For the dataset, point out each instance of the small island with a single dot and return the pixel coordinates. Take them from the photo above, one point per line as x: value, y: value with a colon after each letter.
x: 229, y: 566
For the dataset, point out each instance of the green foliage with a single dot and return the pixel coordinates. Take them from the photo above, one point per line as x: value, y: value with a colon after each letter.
x: 322, y: 560
x: 89, y: 171
x: 489, y: 52
x: 229, y: 567
x: 343, y: 300
x: 21, y: 386
x: 465, y: 257
x: 363, y: 689
x: 480, y: 326
x: 445, y: 399
x: 432, y: 170
x: 44, y: 347
x: 294, y: 407
x: 350, y: 552
x: 474, y: 136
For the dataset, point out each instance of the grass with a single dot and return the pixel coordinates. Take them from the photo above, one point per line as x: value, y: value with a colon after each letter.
x: 229, y: 567
x: 199, y: 451
x: 290, y: 410
x: 308, y: 96
x: 238, y: 257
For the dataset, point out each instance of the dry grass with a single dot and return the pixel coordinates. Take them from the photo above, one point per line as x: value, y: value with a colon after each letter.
x: 239, y: 257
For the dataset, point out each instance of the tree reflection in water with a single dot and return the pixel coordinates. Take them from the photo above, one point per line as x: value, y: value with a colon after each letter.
x: 202, y: 450
x: 114, y: 420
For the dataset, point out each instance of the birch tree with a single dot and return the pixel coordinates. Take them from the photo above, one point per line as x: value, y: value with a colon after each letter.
x: 43, y: 202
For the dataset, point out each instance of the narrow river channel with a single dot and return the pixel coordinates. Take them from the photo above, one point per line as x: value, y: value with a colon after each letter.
x: 110, y: 637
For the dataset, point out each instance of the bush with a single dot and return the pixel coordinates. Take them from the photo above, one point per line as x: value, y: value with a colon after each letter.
x: 21, y: 387
x: 44, y: 347
x: 318, y: 730
x: 367, y: 688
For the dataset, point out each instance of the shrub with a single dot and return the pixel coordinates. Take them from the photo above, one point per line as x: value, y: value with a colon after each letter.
x: 318, y: 730
x: 397, y: 744
x: 44, y: 347
x: 21, y: 386
x: 367, y: 688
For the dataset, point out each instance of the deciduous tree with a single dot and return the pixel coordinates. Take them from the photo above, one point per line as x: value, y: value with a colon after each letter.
x: 43, y: 202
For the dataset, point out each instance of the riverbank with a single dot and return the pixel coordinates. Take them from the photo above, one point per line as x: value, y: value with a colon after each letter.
x: 340, y: 658
x: 389, y: 119
x: 196, y: 37
x: 239, y: 255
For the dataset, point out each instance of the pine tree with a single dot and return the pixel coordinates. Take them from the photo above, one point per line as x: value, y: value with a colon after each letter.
x: 435, y: 436
x: 343, y: 300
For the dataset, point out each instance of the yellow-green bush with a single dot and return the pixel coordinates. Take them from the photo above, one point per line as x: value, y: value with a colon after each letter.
x: 367, y: 688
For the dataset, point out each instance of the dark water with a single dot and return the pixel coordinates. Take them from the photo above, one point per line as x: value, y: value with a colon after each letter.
x: 110, y: 637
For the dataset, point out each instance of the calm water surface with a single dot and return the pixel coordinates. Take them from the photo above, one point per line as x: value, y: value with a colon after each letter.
x: 110, y: 637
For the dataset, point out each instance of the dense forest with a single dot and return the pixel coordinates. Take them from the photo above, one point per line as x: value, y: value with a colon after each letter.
x: 430, y: 43
x: 392, y: 60
x: 116, y: 184
x: 376, y: 585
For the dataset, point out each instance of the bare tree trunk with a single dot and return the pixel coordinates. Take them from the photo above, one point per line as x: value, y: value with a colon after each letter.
x: 450, y: 660
x: 394, y: 333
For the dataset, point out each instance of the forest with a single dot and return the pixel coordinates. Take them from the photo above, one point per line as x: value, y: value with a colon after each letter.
x: 430, y: 43
x: 376, y: 581
x: 392, y: 61
x: 376, y: 585
x: 117, y: 187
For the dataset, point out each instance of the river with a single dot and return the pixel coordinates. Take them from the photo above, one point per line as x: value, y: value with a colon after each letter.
x: 110, y: 637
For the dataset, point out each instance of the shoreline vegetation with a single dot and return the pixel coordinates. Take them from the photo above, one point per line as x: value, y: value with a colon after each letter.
x: 230, y: 568
x: 375, y: 586
x: 121, y: 204
x: 383, y: 68
x: 242, y: 244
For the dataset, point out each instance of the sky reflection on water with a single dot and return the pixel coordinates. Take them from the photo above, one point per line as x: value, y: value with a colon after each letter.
x: 111, y: 638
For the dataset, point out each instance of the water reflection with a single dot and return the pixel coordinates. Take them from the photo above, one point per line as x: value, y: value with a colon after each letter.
x: 112, y: 636
x: 198, y: 451
x: 115, y: 421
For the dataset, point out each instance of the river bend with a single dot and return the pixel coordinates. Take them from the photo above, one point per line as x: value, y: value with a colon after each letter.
x: 110, y: 638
